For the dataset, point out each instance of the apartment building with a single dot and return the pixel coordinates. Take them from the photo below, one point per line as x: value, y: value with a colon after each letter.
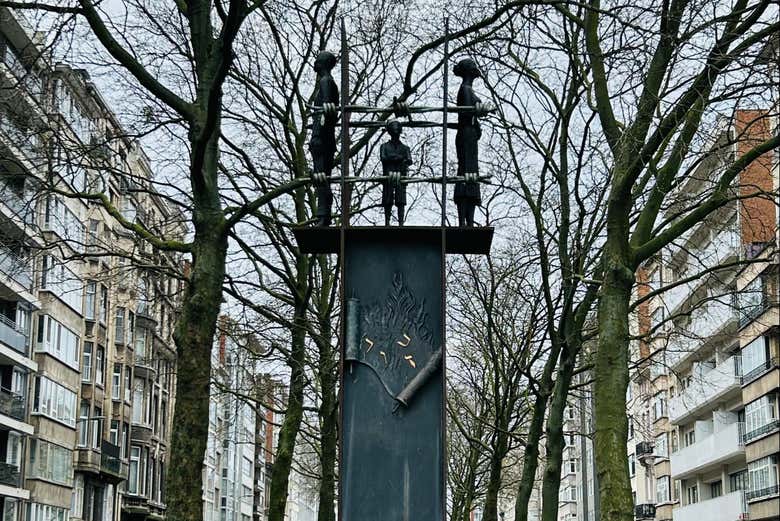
x: 86, y: 356
x: 704, y: 414
x: 230, y: 476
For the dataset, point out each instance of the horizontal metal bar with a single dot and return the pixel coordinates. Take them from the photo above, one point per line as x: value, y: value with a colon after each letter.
x: 365, y: 109
x: 404, y: 180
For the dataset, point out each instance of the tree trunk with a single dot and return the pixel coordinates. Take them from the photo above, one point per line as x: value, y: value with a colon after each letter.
x: 288, y: 433
x: 611, y: 383
x: 551, y: 481
x: 194, y: 338
x: 531, y: 454
x: 328, y: 412
x: 490, y: 512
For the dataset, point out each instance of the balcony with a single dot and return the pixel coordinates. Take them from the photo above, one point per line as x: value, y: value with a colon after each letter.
x: 644, y: 451
x: 715, y: 449
x: 15, y: 267
x: 754, y: 373
x: 12, y: 405
x: 706, y: 388
x: 763, y: 492
x: 729, y: 506
x: 111, y: 461
x: 645, y: 511
x: 761, y: 431
x: 9, y: 475
x: 11, y: 336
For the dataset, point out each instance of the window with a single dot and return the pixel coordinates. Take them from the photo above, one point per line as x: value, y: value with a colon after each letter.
x: 738, y: 480
x: 750, y: 300
x: 689, y: 437
x: 130, y: 329
x: 138, y: 401
x: 89, y: 300
x: 64, y: 222
x: 77, y: 496
x: 128, y: 383
x: 692, y: 494
x: 630, y: 428
x: 86, y: 372
x: 50, y: 462
x: 119, y: 326
x: 93, y: 235
x: 762, y: 477
x: 40, y: 512
x: 103, y: 304
x: 760, y: 416
x: 63, y: 283
x: 755, y: 356
x: 662, y: 446
x: 572, y: 465
x: 116, y: 382
x: 632, y: 465
x: 662, y: 490
x: 657, y: 317
x: 140, y: 344
x: 54, y: 401
x: 133, y: 473
x: 57, y: 340
x: 113, y: 433
x: 659, y: 406
x: 716, y: 489
x: 83, y: 426
x: 126, y: 440
x: 100, y: 367
x: 97, y: 427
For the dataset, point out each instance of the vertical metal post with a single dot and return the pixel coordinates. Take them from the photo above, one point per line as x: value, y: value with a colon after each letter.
x: 345, y: 188
x: 445, y: 123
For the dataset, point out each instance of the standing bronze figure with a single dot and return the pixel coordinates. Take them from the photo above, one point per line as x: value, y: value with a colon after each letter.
x: 467, y: 193
x: 323, y: 134
x: 396, y: 158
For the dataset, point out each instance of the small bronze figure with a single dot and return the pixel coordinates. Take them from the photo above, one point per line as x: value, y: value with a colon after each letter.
x: 467, y: 193
x: 396, y: 158
x: 323, y: 134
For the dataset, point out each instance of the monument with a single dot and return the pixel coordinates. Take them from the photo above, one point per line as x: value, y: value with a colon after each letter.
x: 393, y: 297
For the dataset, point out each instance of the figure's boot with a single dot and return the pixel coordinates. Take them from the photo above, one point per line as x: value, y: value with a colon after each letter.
x: 470, y: 215
x: 388, y: 214
x: 461, y: 215
x: 400, y: 215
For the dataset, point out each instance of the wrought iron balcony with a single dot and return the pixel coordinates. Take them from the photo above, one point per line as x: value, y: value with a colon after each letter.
x: 110, y: 458
x: 12, y: 404
x: 9, y: 475
x: 644, y: 450
x: 645, y: 511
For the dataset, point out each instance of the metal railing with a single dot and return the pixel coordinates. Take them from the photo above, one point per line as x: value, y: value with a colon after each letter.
x: 761, y: 369
x: 644, y: 511
x: 15, y: 267
x: 12, y: 404
x: 11, y: 335
x: 762, y: 492
x: 644, y: 448
x: 110, y: 457
x: 760, y: 431
x: 9, y: 475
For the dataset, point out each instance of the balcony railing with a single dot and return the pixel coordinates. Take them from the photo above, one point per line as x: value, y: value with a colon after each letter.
x: 714, y: 449
x: 12, y: 404
x: 644, y: 449
x: 12, y: 336
x: 760, y: 431
x: 110, y: 457
x: 645, y: 511
x: 706, y: 387
x: 728, y: 506
x: 9, y: 475
x: 15, y: 267
x: 763, y: 492
x: 761, y: 369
